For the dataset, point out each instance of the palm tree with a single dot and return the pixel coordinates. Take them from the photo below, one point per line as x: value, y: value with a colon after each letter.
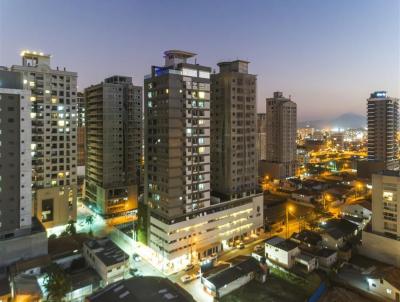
x: 71, y: 229
x: 89, y: 221
x: 56, y: 283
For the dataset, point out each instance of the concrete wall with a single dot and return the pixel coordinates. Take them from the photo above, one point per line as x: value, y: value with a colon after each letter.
x: 384, y: 289
x: 380, y: 248
x: 23, y: 247
x: 287, y: 259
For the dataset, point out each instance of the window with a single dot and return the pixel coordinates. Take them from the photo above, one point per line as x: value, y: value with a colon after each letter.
x: 189, y: 72
x: 204, y: 74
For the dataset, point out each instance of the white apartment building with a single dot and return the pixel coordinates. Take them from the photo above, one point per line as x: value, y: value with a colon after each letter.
x: 54, y: 152
x: 381, y: 240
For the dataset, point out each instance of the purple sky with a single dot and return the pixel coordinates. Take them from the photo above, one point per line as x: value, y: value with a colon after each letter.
x: 328, y: 55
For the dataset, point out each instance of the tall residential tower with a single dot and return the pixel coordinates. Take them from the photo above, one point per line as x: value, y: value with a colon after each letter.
x: 21, y: 236
x: 281, y: 136
x: 54, y: 121
x: 233, y: 131
x: 184, y: 221
x: 382, y: 129
x: 113, y: 121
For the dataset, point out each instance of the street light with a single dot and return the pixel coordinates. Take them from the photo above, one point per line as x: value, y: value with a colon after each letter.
x: 289, y: 209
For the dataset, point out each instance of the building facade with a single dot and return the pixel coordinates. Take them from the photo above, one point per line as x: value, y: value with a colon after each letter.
x: 15, y: 143
x: 184, y: 222
x: 261, y: 141
x: 21, y: 236
x: 114, y: 147
x: 233, y: 131
x: 54, y: 122
x: 81, y: 132
x: 281, y: 136
x: 382, y: 113
x: 381, y: 239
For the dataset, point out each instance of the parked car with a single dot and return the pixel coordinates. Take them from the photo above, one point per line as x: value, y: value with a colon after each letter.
x: 240, y: 246
x: 186, y: 278
x: 258, y: 248
x: 189, y: 267
x: 136, y: 257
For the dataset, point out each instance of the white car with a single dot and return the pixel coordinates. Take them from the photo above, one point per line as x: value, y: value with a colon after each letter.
x: 186, y: 278
x: 258, y: 248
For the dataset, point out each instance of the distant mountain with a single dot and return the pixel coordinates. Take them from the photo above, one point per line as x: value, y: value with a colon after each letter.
x: 344, y: 121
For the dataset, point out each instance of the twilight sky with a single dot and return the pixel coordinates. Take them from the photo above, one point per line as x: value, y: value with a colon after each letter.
x: 328, y: 55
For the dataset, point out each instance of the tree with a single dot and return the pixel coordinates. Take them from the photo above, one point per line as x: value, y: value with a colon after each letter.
x: 89, y: 221
x: 56, y: 283
x: 71, y: 229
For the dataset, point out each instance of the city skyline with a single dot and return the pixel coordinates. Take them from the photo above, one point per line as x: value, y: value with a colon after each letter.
x: 322, y: 54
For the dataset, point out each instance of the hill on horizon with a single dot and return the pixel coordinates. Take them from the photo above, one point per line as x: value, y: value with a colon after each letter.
x: 344, y: 121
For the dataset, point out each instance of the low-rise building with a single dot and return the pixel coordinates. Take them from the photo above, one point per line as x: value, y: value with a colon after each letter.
x: 386, y: 283
x: 143, y: 289
x: 327, y: 258
x: 234, y: 277
x: 361, y: 210
x: 109, y: 261
x: 308, y: 240
x: 308, y: 260
x: 281, y: 251
x: 337, y: 232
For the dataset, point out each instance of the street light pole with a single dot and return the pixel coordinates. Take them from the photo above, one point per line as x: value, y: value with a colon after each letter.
x: 287, y: 223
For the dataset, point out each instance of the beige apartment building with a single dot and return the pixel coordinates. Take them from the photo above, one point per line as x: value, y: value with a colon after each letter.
x: 113, y: 121
x: 233, y: 131
x: 281, y: 137
x: 54, y: 121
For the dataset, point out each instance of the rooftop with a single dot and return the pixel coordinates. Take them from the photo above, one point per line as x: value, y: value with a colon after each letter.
x: 107, y: 251
x: 325, y: 252
x: 308, y: 237
x: 338, y: 228
x: 390, y: 274
x: 283, y: 244
x: 249, y: 264
x: 142, y: 289
x: 390, y: 173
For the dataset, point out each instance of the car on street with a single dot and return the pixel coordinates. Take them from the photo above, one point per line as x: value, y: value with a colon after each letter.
x: 240, y: 246
x: 258, y: 248
x: 189, y: 267
x: 186, y: 278
x: 136, y: 257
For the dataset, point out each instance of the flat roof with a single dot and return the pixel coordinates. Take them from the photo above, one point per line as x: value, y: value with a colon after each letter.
x: 249, y: 264
x: 107, y: 251
x: 283, y: 244
x: 142, y: 289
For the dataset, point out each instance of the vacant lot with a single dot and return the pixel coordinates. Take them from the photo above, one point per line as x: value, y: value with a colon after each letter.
x: 278, y: 287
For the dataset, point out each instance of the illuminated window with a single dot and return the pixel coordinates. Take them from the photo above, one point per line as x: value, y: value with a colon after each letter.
x: 61, y: 123
x: 31, y: 84
x: 53, y: 100
x: 388, y: 196
x: 202, y: 149
x: 149, y: 94
x: 47, y: 91
x: 189, y: 72
x: 33, y: 98
x: 202, y: 94
x: 201, y: 122
x: 204, y: 74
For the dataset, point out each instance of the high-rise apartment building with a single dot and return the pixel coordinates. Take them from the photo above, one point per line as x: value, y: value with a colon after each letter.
x: 281, y: 136
x: 20, y: 235
x: 233, y: 131
x: 382, y: 129
x: 15, y: 144
x: 381, y: 239
x: 54, y: 121
x: 177, y: 136
x: 184, y: 221
x: 81, y: 132
x: 113, y: 124
x: 261, y: 141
